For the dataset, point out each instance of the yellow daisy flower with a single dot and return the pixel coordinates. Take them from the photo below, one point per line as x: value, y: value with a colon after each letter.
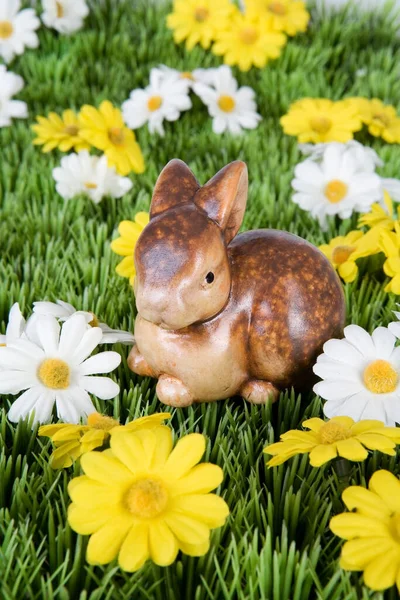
x: 104, y: 128
x: 382, y: 120
x: 390, y: 246
x: 72, y: 441
x: 144, y: 499
x: 372, y: 530
x: 125, y: 245
x: 197, y: 21
x: 321, y: 120
x: 379, y: 217
x: 59, y: 132
x: 340, y: 252
x: 289, y: 16
x: 340, y: 436
x: 248, y: 41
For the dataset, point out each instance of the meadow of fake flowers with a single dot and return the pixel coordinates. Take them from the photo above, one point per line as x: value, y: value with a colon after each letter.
x: 276, y: 542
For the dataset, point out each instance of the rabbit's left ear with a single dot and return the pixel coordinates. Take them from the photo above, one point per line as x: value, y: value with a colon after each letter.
x: 224, y: 198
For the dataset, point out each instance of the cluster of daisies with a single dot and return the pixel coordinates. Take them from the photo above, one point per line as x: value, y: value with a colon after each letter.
x: 18, y: 27
x: 251, y: 35
x: 318, y: 120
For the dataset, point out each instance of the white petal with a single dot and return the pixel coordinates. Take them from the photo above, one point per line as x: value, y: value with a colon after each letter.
x: 343, y: 351
x: 394, y: 328
x: 335, y: 370
x: 104, y: 362
x: 336, y: 390
x: 102, y: 387
x: 70, y: 337
x: 48, y: 330
x: 16, y: 323
x: 351, y: 407
x: 24, y: 404
x: 11, y: 358
x: 374, y: 409
x: 13, y: 382
x: 384, y: 342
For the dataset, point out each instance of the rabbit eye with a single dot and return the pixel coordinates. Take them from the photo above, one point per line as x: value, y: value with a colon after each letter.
x: 210, y: 277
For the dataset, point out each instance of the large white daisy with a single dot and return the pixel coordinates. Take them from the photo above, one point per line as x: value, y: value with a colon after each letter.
x: 58, y: 369
x: 65, y: 16
x: 335, y: 185
x: 17, y: 29
x: 64, y: 311
x: 89, y: 175
x: 361, y: 376
x: 15, y: 326
x: 233, y: 109
x: 164, y: 99
x: 10, y: 84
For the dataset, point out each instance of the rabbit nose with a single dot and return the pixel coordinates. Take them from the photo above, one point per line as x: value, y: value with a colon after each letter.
x: 151, y: 302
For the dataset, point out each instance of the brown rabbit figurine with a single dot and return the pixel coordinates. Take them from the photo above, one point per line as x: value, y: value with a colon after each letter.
x: 220, y: 315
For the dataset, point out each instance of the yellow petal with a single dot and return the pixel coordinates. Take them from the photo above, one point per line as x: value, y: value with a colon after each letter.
x: 362, y: 551
x: 363, y: 426
x: 126, y: 268
x: 351, y: 525
x: 148, y: 422
x: 85, y: 520
x: 88, y: 493
x: 129, y: 230
x: 142, y: 219
x: 201, y: 479
x: 322, y: 454
x: 382, y: 571
x: 67, y: 433
x: 65, y: 455
x: 375, y: 441
x: 135, y: 548
x: 163, y: 544
x: 50, y: 430
x: 366, y: 502
x: 195, y: 549
x: 351, y: 449
x: 210, y: 509
x: 187, y: 529
x: 105, y: 544
x: 314, y: 424
x: 187, y: 452
x: 105, y: 468
x: 123, y: 246
x: 344, y: 421
x: 129, y: 449
x: 386, y: 486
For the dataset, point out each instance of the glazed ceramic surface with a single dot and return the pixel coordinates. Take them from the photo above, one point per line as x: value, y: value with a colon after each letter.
x: 221, y: 314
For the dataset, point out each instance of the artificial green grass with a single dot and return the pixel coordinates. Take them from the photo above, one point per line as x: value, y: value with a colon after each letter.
x: 276, y: 544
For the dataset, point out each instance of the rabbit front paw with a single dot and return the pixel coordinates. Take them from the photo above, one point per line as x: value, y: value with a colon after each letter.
x: 257, y: 391
x: 173, y: 392
x: 138, y: 364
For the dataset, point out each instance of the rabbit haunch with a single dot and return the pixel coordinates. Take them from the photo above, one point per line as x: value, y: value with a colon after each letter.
x: 220, y: 315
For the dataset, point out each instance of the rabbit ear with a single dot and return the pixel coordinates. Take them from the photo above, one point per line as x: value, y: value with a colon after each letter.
x: 175, y: 185
x: 224, y: 198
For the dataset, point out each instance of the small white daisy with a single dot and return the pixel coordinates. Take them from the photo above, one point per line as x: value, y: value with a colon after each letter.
x: 335, y: 185
x: 15, y: 327
x: 17, y: 29
x: 361, y: 376
x: 164, y: 99
x: 189, y: 77
x: 58, y: 369
x: 90, y: 175
x: 64, y: 311
x: 367, y: 159
x: 65, y: 16
x: 232, y: 109
x: 10, y: 84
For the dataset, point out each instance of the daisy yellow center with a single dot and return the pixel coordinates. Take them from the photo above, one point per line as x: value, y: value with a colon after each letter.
x: 380, y: 377
x: 277, y: 8
x: 90, y: 186
x: 6, y: 29
x: 201, y: 14
x: 71, y: 130
x: 54, y: 373
x: 342, y: 253
x: 146, y: 499
x: 3, y: 345
x: 60, y: 10
x: 320, y: 124
x: 116, y: 136
x: 98, y: 421
x: 335, y: 191
x: 187, y: 75
x: 381, y: 119
x: 226, y: 103
x: 333, y: 432
x: 154, y: 103
x: 249, y: 35
x: 94, y: 322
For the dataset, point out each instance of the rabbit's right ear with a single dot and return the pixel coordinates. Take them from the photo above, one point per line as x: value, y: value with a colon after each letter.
x: 175, y: 185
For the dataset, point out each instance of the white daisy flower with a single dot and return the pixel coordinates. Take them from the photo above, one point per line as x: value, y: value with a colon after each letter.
x: 190, y: 77
x: 335, y: 185
x: 361, y: 376
x: 164, y: 99
x: 90, y: 175
x: 17, y: 29
x: 64, y: 311
x: 232, y: 109
x: 65, y: 16
x: 15, y: 327
x: 10, y: 84
x: 58, y: 369
x: 367, y: 159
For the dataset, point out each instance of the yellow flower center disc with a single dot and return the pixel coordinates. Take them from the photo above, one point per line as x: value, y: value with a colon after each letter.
x: 226, y: 103
x: 98, y: 421
x: 116, y: 135
x: 201, y: 14
x: 90, y: 186
x: 333, y: 432
x: 71, y: 130
x: 187, y: 75
x: 335, y: 191
x: 60, y: 10
x: 94, y: 322
x: 6, y: 29
x: 154, y: 103
x: 249, y: 35
x: 146, y: 499
x: 277, y: 8
x: 320, y: 124
x: 342, y: 253
x: 3, y: 345
x: 380, y: 377
x: 54, y: 373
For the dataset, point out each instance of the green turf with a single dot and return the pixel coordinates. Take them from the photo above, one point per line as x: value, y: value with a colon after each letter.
x: 276, y: 543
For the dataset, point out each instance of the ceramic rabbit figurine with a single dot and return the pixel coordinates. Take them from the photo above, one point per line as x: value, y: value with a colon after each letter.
x: 220, y: 315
